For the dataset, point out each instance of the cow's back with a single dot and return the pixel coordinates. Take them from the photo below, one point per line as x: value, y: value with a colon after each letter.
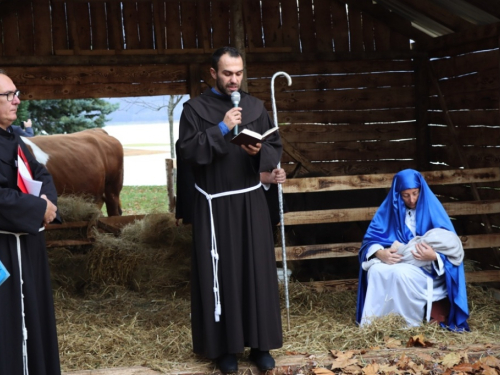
x: 89, y: 162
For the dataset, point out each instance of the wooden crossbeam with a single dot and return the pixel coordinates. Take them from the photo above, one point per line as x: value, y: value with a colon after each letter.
x: 384, y: 180
x: 64, y: 243
x: 352, y: 284
x: 344, y: 215
x: 351, y: 249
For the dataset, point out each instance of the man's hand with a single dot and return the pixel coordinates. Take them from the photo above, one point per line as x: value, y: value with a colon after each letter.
x: 424, y: 252
x: 277, y: 176
x: 252, y: 150
x: 50, y: 211
x: 27, y: 123
x: 233, y: 117
x: 389, y: 256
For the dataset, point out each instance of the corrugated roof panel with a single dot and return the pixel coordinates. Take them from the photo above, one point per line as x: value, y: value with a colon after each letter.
x: 418, y: 20
x: 468, y: 11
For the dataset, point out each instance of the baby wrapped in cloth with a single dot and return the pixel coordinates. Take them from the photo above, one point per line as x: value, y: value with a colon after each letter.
x: 441, y: 240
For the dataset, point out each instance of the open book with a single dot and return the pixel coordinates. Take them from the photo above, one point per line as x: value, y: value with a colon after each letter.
x: 248, y: 137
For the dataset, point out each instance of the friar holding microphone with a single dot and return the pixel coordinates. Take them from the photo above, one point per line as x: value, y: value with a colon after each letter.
x: 234, y: 286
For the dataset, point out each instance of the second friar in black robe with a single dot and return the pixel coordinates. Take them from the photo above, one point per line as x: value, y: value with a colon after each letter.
x: 247, y: 276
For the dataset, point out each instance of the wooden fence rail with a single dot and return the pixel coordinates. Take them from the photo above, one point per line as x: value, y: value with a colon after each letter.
x: 351, y: 249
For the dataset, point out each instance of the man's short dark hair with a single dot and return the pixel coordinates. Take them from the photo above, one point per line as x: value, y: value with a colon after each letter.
x: 231, y: 51
x: 3, y: 72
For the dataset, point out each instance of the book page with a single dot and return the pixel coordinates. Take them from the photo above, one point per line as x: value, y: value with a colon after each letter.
x: 270, y: 131
x: 251, y: 133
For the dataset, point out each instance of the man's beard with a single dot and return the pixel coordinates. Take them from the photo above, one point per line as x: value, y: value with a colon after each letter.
x: 222, y: 89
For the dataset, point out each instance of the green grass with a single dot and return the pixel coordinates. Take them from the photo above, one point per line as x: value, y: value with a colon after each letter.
x: 145, y: 144
x: 139, y: 200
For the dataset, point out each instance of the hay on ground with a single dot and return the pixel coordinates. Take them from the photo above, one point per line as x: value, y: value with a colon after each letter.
x: 116, y: 327
x: 132, y: 307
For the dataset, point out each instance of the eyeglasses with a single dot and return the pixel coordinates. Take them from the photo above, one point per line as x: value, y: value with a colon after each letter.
x: 10, y: 95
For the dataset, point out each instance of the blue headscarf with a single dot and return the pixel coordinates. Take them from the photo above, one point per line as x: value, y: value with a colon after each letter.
x: 388, y: 225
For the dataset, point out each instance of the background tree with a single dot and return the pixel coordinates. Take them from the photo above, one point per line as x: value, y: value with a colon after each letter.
x: 65, y: 115
x: 173, y: 100
x: 22, y: 113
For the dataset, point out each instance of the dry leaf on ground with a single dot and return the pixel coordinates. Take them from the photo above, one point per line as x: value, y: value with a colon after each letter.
x: 418, y: 340
x: 392, y: 343
x: 322, y: 371
x: 451, y: 360
x: 371, y: 369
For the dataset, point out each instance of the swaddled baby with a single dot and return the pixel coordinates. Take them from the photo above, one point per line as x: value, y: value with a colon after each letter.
x: 441, y: 240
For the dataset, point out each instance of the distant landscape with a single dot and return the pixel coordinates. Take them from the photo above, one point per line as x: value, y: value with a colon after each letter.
x: 140, y: 110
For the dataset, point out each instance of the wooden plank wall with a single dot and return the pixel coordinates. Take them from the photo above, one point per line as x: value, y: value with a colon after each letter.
x: 76, y: 82
x: 346, y: 117
x: 468, y: 80
x: 104, y: 27
x: 139, y: 27
x: 477, y: 244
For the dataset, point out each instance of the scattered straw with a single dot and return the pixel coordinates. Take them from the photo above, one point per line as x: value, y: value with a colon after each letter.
x: 125, y: 302
x: 115, y: 327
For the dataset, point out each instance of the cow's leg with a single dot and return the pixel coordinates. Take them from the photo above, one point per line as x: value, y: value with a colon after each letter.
x: 112, y: 198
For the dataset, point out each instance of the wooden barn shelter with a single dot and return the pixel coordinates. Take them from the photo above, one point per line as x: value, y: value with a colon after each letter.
x: 378, y: 86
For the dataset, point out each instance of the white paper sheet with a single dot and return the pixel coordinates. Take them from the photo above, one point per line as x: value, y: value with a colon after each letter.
x: 32, y: 186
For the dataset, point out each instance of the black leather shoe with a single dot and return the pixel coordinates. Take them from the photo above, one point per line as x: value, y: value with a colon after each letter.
x: 227, y: 363
x: 262, y: 359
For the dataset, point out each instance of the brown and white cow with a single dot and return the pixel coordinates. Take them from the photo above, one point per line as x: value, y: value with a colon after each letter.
x: 89, y: 162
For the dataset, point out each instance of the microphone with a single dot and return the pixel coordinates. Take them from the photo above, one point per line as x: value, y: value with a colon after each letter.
x: 235, y: 98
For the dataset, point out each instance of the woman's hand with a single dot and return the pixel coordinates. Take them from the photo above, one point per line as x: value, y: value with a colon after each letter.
x: 424, y: 252
x: 389, y: 256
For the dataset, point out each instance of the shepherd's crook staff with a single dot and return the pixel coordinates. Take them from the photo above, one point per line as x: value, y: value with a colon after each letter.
x: 280, y: 195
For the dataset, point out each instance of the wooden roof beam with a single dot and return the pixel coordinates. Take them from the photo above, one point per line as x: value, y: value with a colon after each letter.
x: 201, y: 57
x: 439, y: 14
x: 457, y: 39
x: 489, y: 6
x: 391, y: 19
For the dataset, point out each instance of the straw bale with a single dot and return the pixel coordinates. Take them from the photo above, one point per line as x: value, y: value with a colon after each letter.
x: 68, y: 269
x: 77, y: 208
x: 157, y: 230
x: 73, y: 208
x: 155, y: 243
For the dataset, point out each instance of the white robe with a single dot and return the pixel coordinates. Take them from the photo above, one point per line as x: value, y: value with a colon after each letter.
x: 402, y: 288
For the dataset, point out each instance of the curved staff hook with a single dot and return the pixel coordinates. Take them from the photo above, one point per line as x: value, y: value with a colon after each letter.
x: 280, y: 195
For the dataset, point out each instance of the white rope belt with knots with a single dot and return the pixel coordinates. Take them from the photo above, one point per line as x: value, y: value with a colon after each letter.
x: 214, y: 253
x: 25, y: 330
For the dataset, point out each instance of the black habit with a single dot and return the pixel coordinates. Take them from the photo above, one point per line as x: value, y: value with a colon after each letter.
x: 24, y: 213
x: 247, y: 273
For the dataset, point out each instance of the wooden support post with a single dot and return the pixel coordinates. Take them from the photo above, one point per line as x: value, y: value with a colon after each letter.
x: 421, y: 107
x: 239, y: 37
x: 169, y: 164
x: 194, y: 78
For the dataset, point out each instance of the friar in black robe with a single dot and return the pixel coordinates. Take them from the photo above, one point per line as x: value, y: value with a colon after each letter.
x: 24, y: 213
x: 246, y: 270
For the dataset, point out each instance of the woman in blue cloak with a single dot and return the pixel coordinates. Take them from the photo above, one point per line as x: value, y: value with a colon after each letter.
x: 391, y: 286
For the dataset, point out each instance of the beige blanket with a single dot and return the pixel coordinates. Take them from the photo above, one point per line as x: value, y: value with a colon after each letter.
x: 441, y: 240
